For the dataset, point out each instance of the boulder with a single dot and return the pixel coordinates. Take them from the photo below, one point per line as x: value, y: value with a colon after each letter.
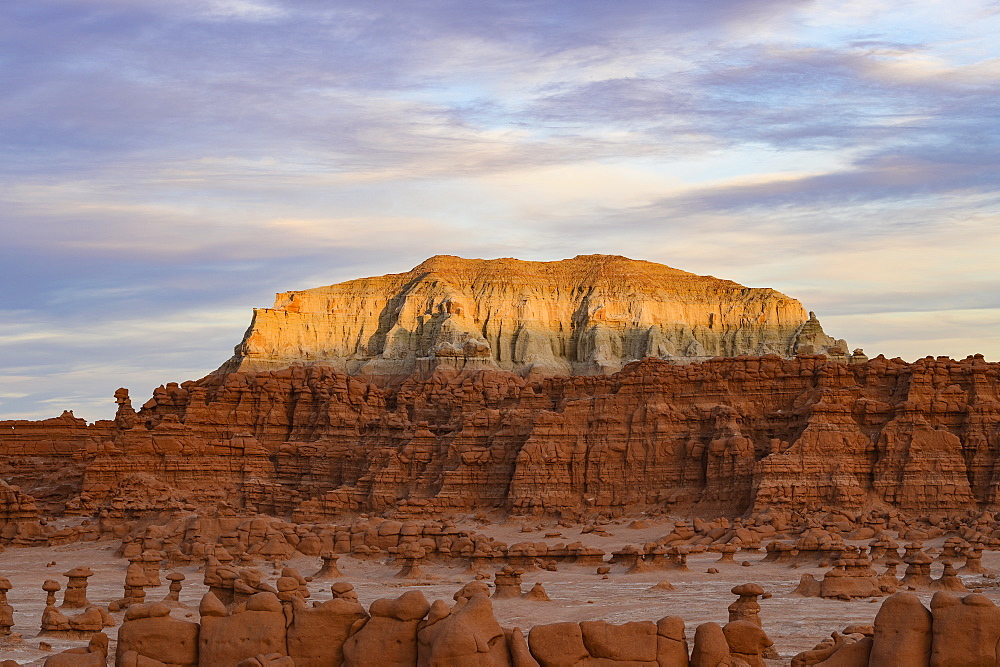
x: 671, y: 644
x: 389, y: 638
x: 468, y: 636
x: 710, y: 646
x: 150, y: 633
x: 902, y: 633
x: 965, y: 630
x: 316, y: 635
x: 747, y: 641
x: 628, y: 642
x: 557, y: 644
x: 256, y: 628
x: 95, y: 654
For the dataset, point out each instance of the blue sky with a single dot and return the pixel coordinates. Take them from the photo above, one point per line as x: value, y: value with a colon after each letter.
x: 167, y: 166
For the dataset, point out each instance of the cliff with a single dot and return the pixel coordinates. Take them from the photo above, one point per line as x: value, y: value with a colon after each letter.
x: 588, y: 315
x: 724, y: 437
x: 470, y: 384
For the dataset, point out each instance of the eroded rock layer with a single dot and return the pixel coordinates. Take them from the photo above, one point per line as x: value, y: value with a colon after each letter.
x: 722, y: 437
x: 582, y: 316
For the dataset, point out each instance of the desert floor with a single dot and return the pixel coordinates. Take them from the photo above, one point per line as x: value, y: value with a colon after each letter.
x: 793, y: 622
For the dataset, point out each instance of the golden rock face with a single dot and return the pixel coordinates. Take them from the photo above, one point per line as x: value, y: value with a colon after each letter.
x: 582, y: 316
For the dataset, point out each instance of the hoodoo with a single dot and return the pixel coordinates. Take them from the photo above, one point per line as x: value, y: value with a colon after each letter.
x: 589, y: 315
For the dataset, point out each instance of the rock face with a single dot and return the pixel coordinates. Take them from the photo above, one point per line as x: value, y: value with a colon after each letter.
x: 956, y: 631
x: 723, y: 436
x: 583, y: 316
x: 472, y: 384
x: 409, y: 631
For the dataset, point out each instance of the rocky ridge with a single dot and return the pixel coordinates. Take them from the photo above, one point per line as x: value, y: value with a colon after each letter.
x: 583, y: 316
x: 729, y: 436
x: 724, y: 437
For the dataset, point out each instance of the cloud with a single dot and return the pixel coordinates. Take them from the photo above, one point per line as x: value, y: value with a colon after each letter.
x: 169, y: 165
x: 954, y: 333
x: 246, y: 10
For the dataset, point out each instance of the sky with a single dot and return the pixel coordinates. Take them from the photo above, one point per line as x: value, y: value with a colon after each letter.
x: 167, y: 165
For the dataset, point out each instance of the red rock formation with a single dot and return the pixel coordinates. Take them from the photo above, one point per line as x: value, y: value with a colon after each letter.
x: 409, y: 631
x: 255, y: 628
x: 150, y: 631
x: 6, y: 611
x: 390, y: 633
x: 95, y: 654
x: 956, y: 631
x: 725, y: 436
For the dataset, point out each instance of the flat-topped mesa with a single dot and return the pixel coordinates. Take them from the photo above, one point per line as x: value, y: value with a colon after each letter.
x: 583, y: 316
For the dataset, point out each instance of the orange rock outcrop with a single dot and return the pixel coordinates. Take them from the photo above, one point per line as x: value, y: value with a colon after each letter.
x: 724, y: 436
x: 583, y: 316
x: 509, y: 385
x: 409, y: 630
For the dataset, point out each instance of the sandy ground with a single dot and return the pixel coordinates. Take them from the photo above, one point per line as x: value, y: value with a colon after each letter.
x: 794, y: 623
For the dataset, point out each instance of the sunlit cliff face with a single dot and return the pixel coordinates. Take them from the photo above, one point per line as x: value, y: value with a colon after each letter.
x: 586, y: 315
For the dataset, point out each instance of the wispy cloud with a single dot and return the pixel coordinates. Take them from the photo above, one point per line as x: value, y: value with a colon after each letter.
x: 169, y: 165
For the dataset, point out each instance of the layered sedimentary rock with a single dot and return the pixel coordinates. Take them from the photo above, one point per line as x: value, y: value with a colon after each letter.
x: 725, y: 436
x: 500, y: 384
x: 582, y: 316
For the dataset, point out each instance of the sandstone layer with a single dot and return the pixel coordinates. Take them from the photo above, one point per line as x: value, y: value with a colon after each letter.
x: 583, y: 316
x: 723, y: 437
